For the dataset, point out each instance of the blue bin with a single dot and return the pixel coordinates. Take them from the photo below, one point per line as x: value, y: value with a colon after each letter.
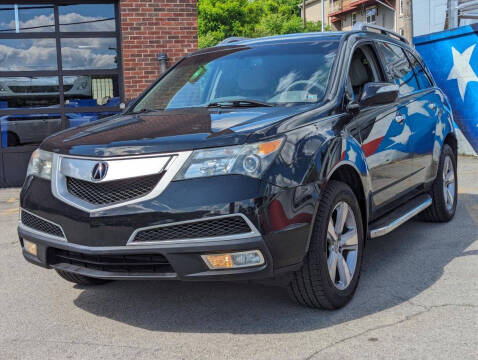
x: 3, y: 131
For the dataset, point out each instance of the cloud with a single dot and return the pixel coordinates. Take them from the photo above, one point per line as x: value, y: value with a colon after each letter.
x: 41, y: 54
x: 41, y: 23
x: 94, y: 53
x: 32, y: 58
x: 93, y: 23
x: 286, y: 80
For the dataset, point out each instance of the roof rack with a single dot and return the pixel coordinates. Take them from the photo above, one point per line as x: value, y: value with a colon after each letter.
x: 360, y: 26
x: 232, y: 39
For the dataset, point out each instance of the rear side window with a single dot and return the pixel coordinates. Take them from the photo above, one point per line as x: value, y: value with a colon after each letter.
x: 399, y: 68
x: 422, y: 77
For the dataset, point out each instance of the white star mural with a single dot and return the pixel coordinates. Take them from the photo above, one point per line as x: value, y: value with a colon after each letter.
x: 462, y: 70
x: 439, y: 130
x: 402, y: 138
x: 352, y: 155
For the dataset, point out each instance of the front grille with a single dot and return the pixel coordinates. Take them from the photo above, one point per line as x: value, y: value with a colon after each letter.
x: 231, y: 225
x: 36, y: 223
x: 112, y: 191
x: 129, y: 264
x: 38, y: 89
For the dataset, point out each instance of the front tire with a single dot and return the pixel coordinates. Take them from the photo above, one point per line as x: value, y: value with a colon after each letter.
x: 80, y: 279
x: 444, y: 189
x: 331, y: 269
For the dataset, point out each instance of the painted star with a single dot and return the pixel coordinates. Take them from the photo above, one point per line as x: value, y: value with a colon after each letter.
x: 352, y: 155
x: 402, y: 138
x: 439, y: 130
x: 418, y: 107
x: 462, y: 70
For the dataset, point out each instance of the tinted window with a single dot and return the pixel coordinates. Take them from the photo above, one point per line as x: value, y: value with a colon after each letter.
x: 420, y: 73
x: 31, y: 18
x: 88, y: 53
x: 87, y: 17
x: 292, y: 73
x: 27, y: 54
x: 399, y: 68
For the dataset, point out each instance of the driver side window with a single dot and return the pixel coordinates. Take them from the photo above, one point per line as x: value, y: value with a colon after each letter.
x: 363, y: 69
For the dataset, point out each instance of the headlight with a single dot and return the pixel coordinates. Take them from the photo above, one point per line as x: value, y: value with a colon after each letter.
x: 250, y: 159
x: 40, y: 164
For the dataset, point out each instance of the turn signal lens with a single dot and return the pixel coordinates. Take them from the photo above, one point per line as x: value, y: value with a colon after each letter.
x: 269, y: 147
x: 234, y: 260
x: 222, y: 261
x: 30, y: 247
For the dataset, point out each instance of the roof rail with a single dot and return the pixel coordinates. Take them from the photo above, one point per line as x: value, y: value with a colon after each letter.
x: 231, y: 40
x: 360, y: 26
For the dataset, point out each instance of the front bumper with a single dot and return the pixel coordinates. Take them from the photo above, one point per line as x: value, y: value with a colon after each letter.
x: 282, y: 218
x: 184, y: 258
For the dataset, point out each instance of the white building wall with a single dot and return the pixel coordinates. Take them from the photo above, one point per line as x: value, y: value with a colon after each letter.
x: 428, y: 16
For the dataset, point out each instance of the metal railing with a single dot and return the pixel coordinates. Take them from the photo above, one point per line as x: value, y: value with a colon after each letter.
x: 461, y: 9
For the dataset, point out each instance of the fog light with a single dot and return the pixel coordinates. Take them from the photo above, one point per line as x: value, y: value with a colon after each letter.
x: 30, y: 247
x: 234, y: 260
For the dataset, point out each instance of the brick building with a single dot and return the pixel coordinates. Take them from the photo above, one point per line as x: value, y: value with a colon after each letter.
x: 68, y: 62
x: 153, y: 27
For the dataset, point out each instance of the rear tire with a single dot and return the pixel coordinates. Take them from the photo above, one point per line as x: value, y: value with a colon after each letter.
x: 12, y: 139
x: 319, y: 283
x: 444, y: 189
x: 80, y: 279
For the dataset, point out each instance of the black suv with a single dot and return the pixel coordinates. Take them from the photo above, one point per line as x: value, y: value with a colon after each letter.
x: 272, y: 158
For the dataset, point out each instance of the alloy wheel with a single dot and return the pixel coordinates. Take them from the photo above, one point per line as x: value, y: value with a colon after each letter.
x: 342, y: 245
x: 449, y: 187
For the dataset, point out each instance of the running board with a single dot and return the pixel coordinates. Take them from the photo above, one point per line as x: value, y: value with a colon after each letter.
x: 399, y: 216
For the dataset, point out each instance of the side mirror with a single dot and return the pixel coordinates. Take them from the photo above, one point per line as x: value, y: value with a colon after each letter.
x: 375, y: 93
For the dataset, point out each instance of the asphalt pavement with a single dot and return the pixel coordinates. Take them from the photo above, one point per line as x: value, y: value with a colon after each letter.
x: 417, y: 299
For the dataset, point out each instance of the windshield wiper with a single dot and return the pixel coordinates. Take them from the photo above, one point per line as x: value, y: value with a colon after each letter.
x: 145, y: 110
x: 239, y: 103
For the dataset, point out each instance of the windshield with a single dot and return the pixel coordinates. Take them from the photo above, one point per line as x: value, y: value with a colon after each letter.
x: 277, y: 74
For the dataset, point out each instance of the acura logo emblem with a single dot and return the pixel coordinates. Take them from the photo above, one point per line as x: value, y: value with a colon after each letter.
x: 99, y: 171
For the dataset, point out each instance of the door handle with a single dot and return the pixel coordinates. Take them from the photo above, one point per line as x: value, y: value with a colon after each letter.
x: 399, y: 118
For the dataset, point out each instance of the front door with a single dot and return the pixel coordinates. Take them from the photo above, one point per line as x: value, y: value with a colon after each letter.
x: 390, y: 158
x: 384, y: 131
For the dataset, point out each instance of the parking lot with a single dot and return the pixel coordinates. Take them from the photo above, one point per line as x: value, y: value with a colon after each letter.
x: 417, y: 299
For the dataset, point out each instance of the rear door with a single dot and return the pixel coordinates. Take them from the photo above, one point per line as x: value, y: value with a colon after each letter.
x: 424, y: 117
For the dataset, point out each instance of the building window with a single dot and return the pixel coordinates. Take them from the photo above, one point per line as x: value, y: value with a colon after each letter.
x: 354, y: 18
x: 401, y: 7
x: 402, y: 32
x: 57, y: 60
x: 371, y: 15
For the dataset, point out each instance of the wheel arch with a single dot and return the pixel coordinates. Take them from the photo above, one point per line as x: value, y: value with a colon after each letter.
x: 348, y: 173
x: 452, y: 141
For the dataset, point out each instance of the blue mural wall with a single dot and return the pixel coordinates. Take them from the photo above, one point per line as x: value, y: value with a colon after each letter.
x: 452, y: 57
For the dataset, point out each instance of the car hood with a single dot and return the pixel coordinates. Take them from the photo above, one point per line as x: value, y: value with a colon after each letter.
x: 167, y: 131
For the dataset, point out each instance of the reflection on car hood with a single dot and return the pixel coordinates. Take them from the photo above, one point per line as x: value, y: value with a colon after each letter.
x: 167, y: 131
